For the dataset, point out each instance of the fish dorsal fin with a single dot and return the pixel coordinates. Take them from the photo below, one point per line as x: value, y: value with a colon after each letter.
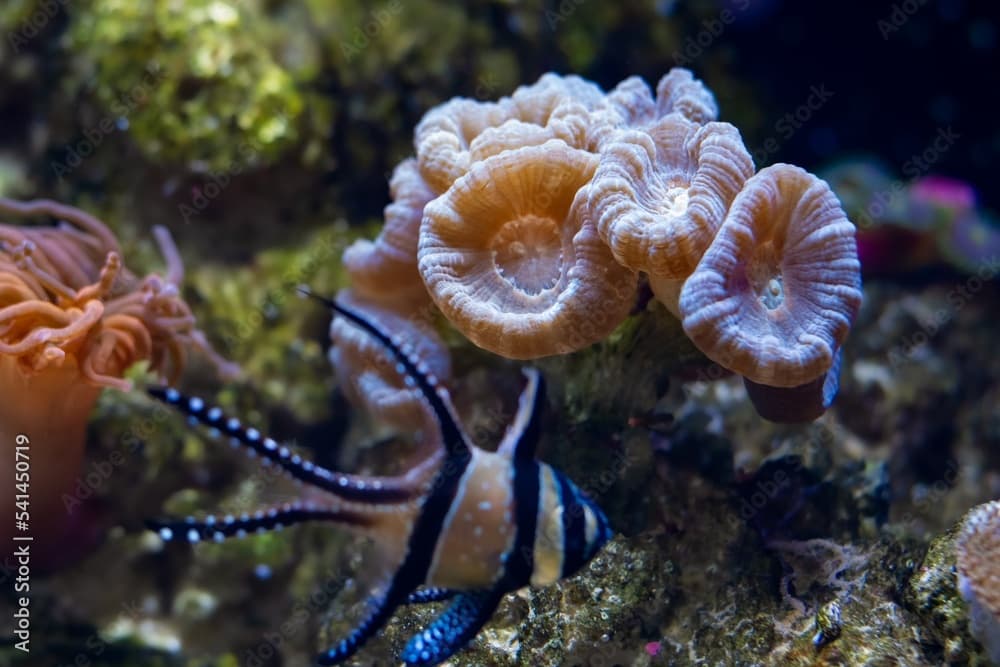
x: 416, y: 372
x: 522, y: 436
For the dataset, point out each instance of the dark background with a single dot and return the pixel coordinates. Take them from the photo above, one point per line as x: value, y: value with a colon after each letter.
x: 894, y: 88
x: 900, y: 73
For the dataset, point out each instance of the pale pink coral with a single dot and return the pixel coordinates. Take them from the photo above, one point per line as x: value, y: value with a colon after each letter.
x: 977, y: 551
x: 775, y: 294
x: 385, y: 270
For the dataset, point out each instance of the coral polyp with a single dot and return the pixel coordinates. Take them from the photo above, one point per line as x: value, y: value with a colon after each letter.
x: 510, y: 259
x: 775, y: 294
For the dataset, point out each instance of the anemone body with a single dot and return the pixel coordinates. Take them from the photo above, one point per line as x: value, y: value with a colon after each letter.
x: 73, y: 319
x: 48, y: 411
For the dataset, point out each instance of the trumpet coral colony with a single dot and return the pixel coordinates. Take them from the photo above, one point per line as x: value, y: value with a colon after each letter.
x: 532, y: 220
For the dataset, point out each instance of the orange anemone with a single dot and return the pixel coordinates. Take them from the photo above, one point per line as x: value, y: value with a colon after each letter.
x: 73, y: 319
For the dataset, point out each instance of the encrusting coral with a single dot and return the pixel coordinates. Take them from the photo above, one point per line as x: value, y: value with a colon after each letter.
x: 977, y: 551
x: 73, y: 319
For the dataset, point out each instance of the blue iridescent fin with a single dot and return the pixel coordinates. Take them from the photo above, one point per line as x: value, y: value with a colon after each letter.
x: 449, y: 633
x: 415, y: 370
x: 523, y: 434
x: 432, y: 594
x: 348, y: 487
x: 350, y: 644
x: 213, y: 528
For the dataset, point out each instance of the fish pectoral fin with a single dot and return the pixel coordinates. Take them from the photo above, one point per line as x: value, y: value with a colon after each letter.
x: 350, y: 644
x: 449, y: 633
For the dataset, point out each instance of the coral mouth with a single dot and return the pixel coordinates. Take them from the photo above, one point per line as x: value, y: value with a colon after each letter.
x: 527, y: 253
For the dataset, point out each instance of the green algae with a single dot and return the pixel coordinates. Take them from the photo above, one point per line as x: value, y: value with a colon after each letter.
x: 932, y: 593
x: 625, y: 372
x: 13, y: 176
x: 263, y: 324
x: 196, y: 83
x: 15, y: 14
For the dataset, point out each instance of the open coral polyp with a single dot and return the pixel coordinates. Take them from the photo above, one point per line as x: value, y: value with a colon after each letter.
x: 509, y: 259
x: 775, y: 294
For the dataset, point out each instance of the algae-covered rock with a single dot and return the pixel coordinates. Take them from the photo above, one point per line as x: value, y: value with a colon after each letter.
x: 196, y: 83
x: 932, y: 593
x: 265, y: 325
x: 611, y: 608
